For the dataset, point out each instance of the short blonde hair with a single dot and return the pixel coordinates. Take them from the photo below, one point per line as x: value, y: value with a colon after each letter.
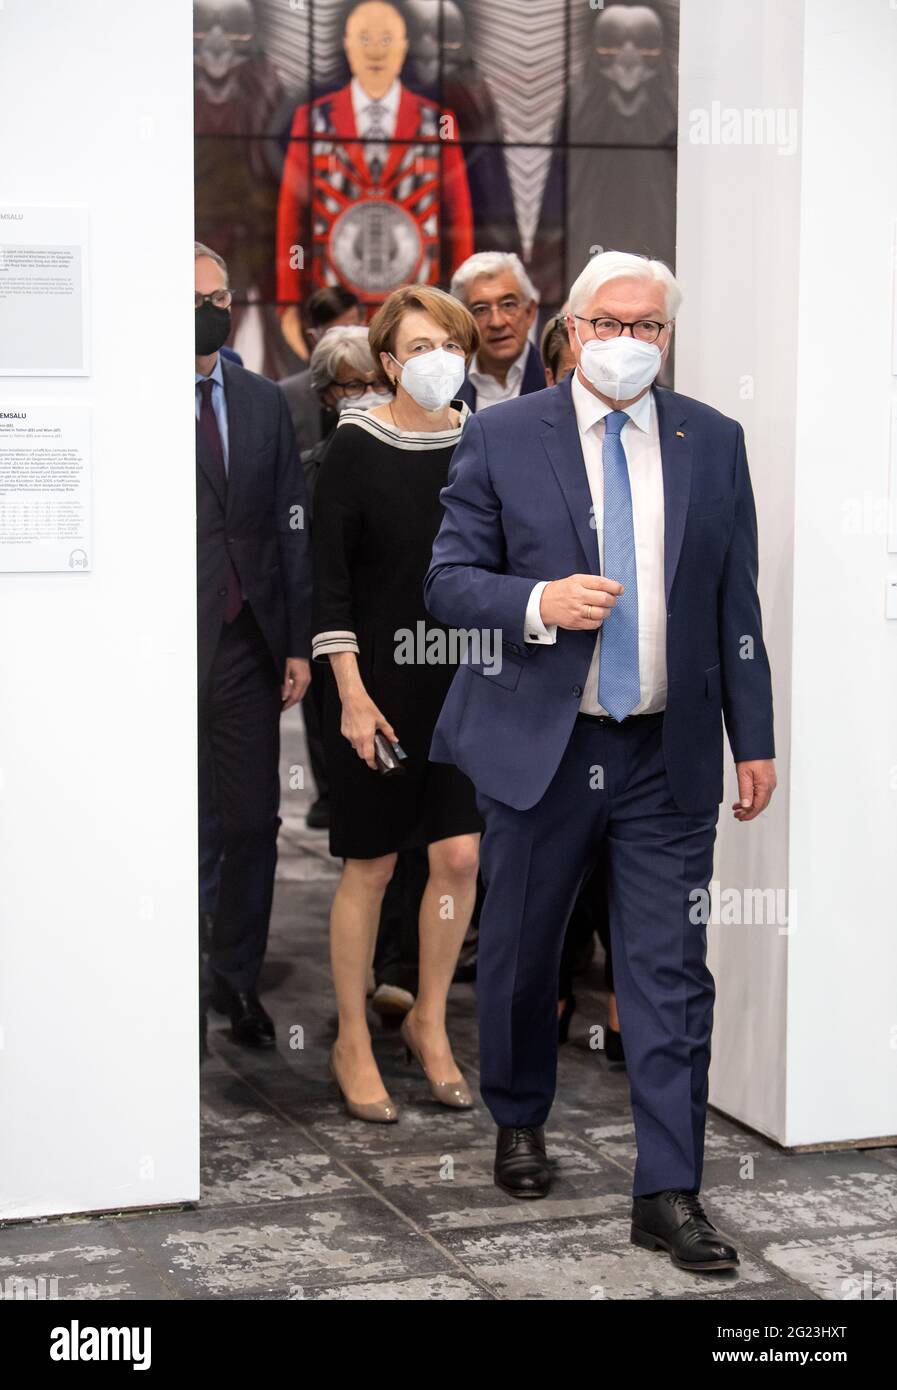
x: 449, y: 313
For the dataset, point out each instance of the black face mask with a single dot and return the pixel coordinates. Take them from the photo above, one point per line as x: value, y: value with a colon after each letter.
x: 212, y: 329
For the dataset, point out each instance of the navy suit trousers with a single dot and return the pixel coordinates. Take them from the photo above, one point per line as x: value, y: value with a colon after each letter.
x: 239, y: 795
x: 611, y: 786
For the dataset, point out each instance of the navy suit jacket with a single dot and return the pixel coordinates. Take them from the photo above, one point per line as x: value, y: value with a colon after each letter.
x: 518, y: 510
x: 260, y: 521
x: 533, y: 380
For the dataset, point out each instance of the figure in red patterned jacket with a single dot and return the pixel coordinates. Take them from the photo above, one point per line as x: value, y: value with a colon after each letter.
x: 373, y: 193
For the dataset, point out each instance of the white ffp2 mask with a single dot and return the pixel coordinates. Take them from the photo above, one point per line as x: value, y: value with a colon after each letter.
x: 621, y: 367
x: 432, y: 378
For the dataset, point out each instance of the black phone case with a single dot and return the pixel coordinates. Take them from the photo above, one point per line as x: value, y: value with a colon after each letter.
x: 389, y: 757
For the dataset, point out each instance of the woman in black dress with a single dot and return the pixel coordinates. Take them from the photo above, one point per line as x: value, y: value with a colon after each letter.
x: 377, y: 511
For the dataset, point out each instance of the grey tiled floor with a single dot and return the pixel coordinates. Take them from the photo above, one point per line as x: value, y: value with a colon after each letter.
x: 299, y: 1201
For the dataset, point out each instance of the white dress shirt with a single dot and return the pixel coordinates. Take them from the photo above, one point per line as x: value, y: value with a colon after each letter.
x: 489, y: 389
x: 365, y: 124
x: 641, y: 443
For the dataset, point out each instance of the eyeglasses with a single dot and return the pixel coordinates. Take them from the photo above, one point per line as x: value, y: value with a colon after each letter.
x: 646, y: 330
x: 222, y: 299
x: 507, y: 307
x: 351, y: 389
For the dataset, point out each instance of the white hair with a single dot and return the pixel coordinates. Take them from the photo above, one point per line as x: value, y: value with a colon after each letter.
x: 488, y: 264
x: 343, y: 345
x: 622, y: 265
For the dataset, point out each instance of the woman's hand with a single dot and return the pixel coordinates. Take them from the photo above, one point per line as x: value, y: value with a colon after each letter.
x: 360, y: 721
x: 360, y: 718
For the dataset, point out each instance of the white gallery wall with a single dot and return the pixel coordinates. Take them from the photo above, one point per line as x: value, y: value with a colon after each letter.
x: 787, y: 208
x: 98, y: 936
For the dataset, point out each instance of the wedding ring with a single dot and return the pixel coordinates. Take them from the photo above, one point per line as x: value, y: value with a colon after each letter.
x: 588, y: 613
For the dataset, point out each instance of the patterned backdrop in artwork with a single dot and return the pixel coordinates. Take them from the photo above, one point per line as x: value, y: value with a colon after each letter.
x: 544, y: 127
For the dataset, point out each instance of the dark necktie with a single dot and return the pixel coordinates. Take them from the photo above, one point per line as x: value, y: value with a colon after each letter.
x: 209, y: 437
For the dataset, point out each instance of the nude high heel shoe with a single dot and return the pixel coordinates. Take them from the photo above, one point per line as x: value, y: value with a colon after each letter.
x: 378, y: 1112
x: 455, y: 1094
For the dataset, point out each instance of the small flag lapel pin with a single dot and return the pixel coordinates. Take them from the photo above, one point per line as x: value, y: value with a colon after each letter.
x: 679, y: 434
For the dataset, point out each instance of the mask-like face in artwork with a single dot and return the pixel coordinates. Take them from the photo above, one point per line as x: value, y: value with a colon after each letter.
x: 223, y: 39
x: 375, y: 44
x: 425, y: 43
x: 629, y: 45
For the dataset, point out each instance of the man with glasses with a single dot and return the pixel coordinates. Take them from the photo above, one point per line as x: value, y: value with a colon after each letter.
x: 253, y: 631
x: 607, y: 528
x: 498, y: 292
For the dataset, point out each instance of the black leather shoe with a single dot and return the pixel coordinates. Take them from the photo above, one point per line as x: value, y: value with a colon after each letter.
x: 521, y: 1167
x: 250, y: 1024
x: 676, y: 1221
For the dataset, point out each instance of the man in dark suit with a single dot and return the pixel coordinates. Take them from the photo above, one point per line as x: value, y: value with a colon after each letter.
x: 496, y: 289
x: 642, y: 499
x: 253, y: 594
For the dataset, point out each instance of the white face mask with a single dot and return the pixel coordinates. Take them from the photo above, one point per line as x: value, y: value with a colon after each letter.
x: 619, y: 367
x: 432, y: 378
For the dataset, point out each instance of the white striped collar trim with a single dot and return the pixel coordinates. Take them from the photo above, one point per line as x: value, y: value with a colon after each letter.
x: 405, y: 439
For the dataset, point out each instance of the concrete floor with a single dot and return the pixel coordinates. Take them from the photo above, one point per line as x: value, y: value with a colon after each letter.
x: 299, y: 1201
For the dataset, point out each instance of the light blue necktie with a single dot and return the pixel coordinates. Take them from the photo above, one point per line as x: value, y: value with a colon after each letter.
x: 618, y: 675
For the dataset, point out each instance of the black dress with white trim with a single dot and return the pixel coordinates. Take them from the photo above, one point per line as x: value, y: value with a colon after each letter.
x: 377, y: 512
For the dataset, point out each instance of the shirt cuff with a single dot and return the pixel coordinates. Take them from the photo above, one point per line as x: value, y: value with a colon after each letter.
x: 324, y: 644
x: 534, y: 630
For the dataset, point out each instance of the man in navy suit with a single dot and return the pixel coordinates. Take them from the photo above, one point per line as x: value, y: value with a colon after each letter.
x: 253, y: 637
x: 606, y: 528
